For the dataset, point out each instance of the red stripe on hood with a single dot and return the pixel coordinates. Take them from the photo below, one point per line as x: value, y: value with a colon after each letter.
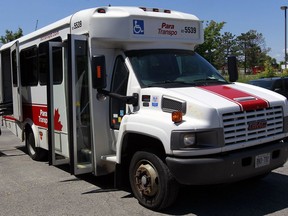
x: 245, y: 100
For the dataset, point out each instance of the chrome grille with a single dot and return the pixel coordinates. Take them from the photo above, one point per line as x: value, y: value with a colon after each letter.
x: 237, y: 127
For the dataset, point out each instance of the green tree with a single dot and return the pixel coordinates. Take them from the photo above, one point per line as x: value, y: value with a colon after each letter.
x: 10, y: 36
x: 253, y: 51
x: 227, y: 46
x: 212, y: 38
x: 249, y: 47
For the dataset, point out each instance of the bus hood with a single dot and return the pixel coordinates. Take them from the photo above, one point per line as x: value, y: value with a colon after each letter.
x: 232, y: 97
x: 211, y: 102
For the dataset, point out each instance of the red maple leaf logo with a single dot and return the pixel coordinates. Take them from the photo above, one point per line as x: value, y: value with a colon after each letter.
x: 57, y: 124
x: 41, y: 135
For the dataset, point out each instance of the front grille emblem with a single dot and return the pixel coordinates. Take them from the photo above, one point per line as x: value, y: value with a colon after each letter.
x: 254, y: 125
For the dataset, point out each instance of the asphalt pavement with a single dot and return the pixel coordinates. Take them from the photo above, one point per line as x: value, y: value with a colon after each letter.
x: 32, y: 188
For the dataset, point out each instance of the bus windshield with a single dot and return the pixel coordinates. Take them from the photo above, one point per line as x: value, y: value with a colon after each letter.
x: 173, y: 68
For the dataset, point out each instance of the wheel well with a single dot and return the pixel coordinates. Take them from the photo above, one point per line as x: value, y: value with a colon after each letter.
x: 35, y: 152
x: 133, y: 142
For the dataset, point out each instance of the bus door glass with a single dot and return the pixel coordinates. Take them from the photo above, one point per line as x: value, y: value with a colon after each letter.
x: 80, y: 138
x: 119, y: 86
x: 16, y: 82
x: 57, y: 114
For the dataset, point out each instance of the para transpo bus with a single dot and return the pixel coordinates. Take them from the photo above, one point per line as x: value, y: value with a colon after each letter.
x: 120, y: 89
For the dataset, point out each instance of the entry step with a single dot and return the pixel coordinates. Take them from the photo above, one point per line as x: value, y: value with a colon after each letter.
x: 110, y: 158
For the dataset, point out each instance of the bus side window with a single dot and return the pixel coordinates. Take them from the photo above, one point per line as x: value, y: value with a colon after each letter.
x: 14, y: 69
x: 28, y: 65
x: 6, y: 76
x: 119, y: 85
x: 43, y: 63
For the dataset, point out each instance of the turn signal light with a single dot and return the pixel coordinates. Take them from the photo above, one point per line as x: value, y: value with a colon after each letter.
x: 177, y: 116
x: 98, y: 69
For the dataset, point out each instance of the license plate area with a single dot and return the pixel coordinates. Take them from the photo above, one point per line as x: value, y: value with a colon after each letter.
x: 262, y: 160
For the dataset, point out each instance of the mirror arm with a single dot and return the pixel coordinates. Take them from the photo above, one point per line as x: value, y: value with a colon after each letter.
x: 127, y: 99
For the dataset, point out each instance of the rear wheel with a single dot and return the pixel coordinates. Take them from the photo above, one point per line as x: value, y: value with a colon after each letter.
x: 34, y: 152
x: 151, y: 181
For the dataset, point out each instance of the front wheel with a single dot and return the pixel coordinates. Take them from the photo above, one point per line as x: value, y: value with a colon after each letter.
x: 151, y: 181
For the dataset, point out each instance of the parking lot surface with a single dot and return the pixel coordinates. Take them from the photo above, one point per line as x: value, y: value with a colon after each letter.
x: 29, y: 188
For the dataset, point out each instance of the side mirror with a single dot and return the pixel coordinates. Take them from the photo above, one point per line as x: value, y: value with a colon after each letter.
x: 98, y: 72
x: 232, y: 69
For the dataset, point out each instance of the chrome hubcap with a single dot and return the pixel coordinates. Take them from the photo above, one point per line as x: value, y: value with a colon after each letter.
x: 147, y: 180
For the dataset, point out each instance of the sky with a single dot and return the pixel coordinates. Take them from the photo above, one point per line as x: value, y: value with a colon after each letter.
x: 264, y: 16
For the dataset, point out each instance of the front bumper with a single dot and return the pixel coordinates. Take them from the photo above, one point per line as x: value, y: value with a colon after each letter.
x: 227, y: 167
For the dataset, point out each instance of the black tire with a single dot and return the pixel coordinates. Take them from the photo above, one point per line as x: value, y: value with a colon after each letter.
x: 35, y: 153
x: 151, y: 181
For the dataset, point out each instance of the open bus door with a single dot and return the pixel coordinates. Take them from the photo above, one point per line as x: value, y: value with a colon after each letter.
x: 16, y: 82
x: 56, y: 101
x: 80, y: 138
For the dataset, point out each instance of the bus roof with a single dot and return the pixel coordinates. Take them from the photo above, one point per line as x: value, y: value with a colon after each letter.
x: 127, y: 24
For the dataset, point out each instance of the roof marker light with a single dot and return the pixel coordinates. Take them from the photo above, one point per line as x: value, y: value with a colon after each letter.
x: 101, y: 10
x: 155, y: 10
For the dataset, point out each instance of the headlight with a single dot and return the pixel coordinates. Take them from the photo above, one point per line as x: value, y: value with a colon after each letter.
x: 183, y: 140
x: 189, y: 140
x: 192, y: 140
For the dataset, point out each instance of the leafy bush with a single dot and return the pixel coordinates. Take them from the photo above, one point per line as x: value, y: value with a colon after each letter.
x: 269, y: 71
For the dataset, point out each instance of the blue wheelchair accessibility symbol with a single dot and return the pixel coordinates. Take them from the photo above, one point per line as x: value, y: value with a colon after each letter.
x: 138, y: 26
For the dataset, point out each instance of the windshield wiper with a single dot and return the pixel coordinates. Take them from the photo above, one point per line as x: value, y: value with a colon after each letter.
x: 209, y: 80
x: 170, y: 82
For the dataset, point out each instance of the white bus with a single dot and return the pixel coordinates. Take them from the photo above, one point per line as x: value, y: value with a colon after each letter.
x: 120, y: 89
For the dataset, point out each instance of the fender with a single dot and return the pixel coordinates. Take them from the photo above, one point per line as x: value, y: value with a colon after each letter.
x: 141, y: 125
